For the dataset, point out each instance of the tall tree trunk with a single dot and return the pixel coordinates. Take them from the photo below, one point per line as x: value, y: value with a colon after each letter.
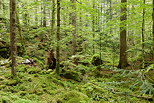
x: 93, y: 28
x: 36, y: 16
x: 123, y: 41
x: 73, y: 19
x: 13, y: 35
x: 20, y: 32
x: 1, y: 9
x: 153, y: 27
x: 58, y: 39
x: 44, y: 14
x: 53, y: 18
x: 143, y: 30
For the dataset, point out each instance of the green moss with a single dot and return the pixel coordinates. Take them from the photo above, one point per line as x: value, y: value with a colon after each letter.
x: 72, y: 97
x: 70, y: 74
x: 33, y: 70
x: 12, y: 82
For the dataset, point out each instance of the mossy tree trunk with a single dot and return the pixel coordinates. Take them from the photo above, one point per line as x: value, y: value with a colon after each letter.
x: 123, y: 31
x: 13, y: 35
x: 53, y: 19
x: 44, y: 14
x: 93, y: 28
x: 58, y: 39
x: 153, y: 27
x: 143, y: 30
x: 20, y: 32
x: 73, y: 22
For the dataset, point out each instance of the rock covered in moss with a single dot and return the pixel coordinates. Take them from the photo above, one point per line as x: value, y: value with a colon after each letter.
x: 70, y: 74
x: 72, y: 97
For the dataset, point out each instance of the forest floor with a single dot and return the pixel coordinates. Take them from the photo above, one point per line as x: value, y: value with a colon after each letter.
x: 106, y: 85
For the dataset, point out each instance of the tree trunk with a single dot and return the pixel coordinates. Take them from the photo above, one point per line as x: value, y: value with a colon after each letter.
x: 143, y: 30
x: 13, y: 35
x: 36, y: 16
x: 58, y: 39
x: 20, y: 32
x: 153, y: 27
x: 123, y: 41
x: 1, y: 9
x: 44, y: 14
x: 73, y: 19
x: 53, y: 19
x: 93, y: 28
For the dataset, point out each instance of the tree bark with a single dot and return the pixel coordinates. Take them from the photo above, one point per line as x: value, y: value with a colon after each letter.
x: 58, y: 39
x: 20, y: 32
x: 73, y: 19
x: 36, y: 16
x: 93, y: 28
x: 123, y: 31
x: 53, y: 18
x: 44, y: 14
x: 153, y: 27
x: 13, y: 35
x: 143, y: 30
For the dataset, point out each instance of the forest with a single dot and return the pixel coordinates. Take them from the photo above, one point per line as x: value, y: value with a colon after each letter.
x: 76, y: 51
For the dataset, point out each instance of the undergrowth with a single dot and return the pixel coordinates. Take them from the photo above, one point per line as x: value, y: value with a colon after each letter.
x: 108, y: 85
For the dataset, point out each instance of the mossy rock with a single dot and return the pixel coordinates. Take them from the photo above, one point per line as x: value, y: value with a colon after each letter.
x: 72, y: 97
x: 70, y: 74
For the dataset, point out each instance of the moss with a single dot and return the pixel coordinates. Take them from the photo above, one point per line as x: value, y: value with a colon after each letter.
x: 70, y: 74
x: 29, y: 79
x: 72, y: 97
x: 22, y: 68
x: 5, y: 100
x: 12, y: 82
x: 33, y: 70
x: 22, y: 93
x: 56, y: 81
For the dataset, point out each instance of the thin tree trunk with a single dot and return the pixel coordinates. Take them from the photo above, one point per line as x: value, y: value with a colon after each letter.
x: 13, y: 36
x: 153, y: 27
x: 58, y: 39
x: 123, y: 41
x: 44, y: 14
x: 36, y: 16
x: 143, y: 30
x: 73, y: 18
x: 1, y: 9
x: 53, y: 19
x: 20, y: 32
x: 93, y: 27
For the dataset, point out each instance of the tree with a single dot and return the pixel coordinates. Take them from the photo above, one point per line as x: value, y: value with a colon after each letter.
x: 13, y: 35
x: 73, y: 19
x: 143, y: 30
x: 53, y: 18
x: 123, y: 42
x: 93, y: 27
x: 58, y: 39
x: 153, y: 27
x: 20, y: 31
x: 44, y: 13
